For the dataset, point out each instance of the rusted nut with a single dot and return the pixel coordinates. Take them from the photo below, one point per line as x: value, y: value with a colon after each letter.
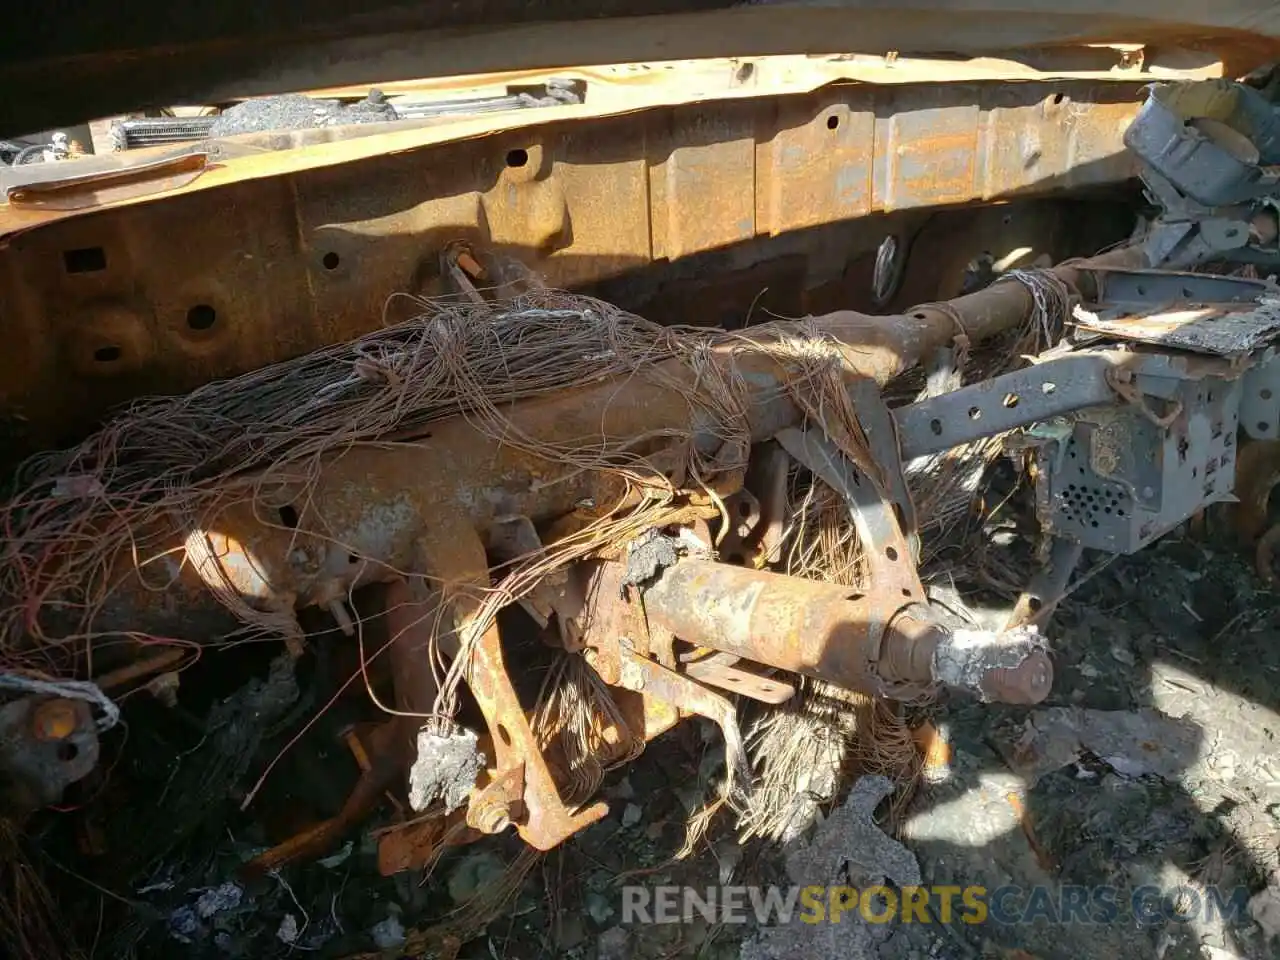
x: 1027, y: 683
x: 54, y: 720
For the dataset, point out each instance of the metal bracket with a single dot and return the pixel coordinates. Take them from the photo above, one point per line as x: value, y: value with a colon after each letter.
x: 1017, y: 399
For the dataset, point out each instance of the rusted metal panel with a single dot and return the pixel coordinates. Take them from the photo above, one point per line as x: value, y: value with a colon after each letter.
x: 209, y: 284
x: 830, y: 145
x: 702, y: 187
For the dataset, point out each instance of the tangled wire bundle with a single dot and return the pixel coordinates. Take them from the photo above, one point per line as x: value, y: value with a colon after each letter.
x: 76, y: 510
x: 167, y: 463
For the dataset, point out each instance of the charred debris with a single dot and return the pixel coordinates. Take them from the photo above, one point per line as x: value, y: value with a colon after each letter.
x: 433, y: 585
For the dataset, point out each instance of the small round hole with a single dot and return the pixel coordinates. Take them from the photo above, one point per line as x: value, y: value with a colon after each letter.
x: 891, y: 553
x: 744, y: 508
x: 1263, y: 426
x: 1010, y: 400
x: 201, y: 317
x: 107, y: 354
x: 920, y: 316
x: 832, y: 122
x: 1034, y: 604
x: 517, y: 158
x: 1058, y: 98
x: 1265, y: 394
x: 1186, y: 292
x: 67, y: 751
x: 504, y: 736
x: 975, y: 413
x: 331, y: 260
x: 906, y: 592
x: 936, y: 427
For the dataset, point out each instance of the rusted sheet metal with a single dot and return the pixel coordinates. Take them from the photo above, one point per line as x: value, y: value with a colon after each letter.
x: 159, y: 297
x: 93, y: 68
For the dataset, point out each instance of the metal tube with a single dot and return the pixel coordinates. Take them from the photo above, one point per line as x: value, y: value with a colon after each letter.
x: 373, y: 500
x: 824, y: 631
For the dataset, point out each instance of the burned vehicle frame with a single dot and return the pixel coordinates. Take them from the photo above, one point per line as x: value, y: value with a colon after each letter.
x: 627, y: 486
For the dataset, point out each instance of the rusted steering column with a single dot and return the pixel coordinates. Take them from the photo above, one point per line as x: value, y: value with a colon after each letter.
x: 828, y: 631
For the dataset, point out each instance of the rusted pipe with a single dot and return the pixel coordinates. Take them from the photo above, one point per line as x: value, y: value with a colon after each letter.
x: 823, y: 631
x: 369, y: 512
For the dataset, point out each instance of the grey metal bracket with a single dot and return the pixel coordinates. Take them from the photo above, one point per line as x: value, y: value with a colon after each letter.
x: 881, y: 430
x: 1016, y: 399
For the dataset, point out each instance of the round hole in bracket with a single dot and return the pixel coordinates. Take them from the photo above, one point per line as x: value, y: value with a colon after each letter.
x: 1186, y: 292
x: 744, y: 508
x: 919, y: 316
x: 832, y: 122
x: 891, y: 553
x: 906, y: 592
x: 330, y: 260
x: 201, y: 317
x: 107, y: 354
x: 975, y: 413
x: 67, y: 751
x: 504, y: 735
x: 1263, y: 426
x: 518, y: 157
x: 1265, y: 394
x: 1058, y: 98
x: 936, y: 426
x: 1010, y: 400
x: 1034, y: 603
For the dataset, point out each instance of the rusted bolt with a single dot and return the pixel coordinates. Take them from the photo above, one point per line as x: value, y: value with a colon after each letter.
x: 54, y: 720
x: 470, y: 266
x: 1027, y: 683
x: 491, y: 816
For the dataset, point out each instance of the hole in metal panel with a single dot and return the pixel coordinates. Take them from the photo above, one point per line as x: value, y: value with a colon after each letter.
x: 201, y: 317
x: 84, y: 260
